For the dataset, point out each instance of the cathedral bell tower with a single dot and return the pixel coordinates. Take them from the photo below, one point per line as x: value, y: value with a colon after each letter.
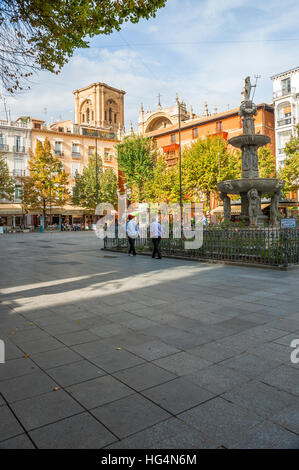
x: 100, y: 105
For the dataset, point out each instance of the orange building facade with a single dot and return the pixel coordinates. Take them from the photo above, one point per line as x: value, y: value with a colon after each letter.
x: 228, y: 124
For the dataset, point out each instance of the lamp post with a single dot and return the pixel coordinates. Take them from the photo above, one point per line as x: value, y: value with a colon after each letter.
x: 97, y: 182
x: 180, y: 167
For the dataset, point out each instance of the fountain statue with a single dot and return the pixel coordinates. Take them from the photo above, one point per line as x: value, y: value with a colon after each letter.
x: 250, y: 187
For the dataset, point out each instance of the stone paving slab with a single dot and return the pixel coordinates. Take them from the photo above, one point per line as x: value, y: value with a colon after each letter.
x: 130, y: 415
x: 77, y: 432
x: 44, y: 409
x: 123, y: 352
x: 171, y: 434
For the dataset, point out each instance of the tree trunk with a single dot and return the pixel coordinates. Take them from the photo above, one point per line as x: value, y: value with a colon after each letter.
x: 45, y: 213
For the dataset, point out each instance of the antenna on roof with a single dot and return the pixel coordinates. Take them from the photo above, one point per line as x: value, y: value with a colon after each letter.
x: 257, y: 77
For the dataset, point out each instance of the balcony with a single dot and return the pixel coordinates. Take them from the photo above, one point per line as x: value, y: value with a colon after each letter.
x: 76, y: 155
x: 18, y: 149
x: 286, y: 122
x: 19, y: 124
x: 19, y: 173
x: 280, y: 93
x: 4, y: 147
x: 59, y: 153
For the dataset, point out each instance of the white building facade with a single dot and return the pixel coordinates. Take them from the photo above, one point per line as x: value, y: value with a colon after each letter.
x: 286, y: 105
x: 15, y: 142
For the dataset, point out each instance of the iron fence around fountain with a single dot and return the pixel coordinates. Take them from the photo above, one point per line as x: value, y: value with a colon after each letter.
x: 268, y: 247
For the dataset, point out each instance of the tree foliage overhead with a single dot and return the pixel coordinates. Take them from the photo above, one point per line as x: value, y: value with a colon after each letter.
x: 7, y: 183
x: 290, y: 167
x: 85, y: 188
x: 136, y: 159
x: 43, y: 34
x: 47, y: 183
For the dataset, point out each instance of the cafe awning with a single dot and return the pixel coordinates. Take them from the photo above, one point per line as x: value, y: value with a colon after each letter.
x: 11, y: 209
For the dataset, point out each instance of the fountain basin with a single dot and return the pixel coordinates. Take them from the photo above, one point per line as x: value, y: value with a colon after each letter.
x: 247, y: 139
x: 243, y: 185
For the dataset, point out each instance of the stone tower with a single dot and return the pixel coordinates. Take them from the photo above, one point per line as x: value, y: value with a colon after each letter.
x: 100, y: 105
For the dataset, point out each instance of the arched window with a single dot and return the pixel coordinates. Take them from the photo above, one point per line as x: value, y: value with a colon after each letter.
x: 83, y: 118
x: 87, y: 115
x: 110, y: 114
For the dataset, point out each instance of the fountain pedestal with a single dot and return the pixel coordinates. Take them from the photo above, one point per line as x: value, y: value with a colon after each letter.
x: 250, y: 187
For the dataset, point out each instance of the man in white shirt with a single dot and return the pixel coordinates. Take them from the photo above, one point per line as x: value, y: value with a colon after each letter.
x: 156, y: 235
x: 132, y: 233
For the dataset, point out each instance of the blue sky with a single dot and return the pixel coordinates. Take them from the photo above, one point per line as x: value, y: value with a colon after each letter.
x: 200, y: 49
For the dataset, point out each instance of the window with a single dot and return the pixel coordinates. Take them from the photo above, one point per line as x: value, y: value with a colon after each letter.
x: 58, y: 148
x: 91, y: 150
x: 110, y: 114
x: 195, y: 133
x: 286, y: 86
x: 18, y: 192
x: 75, y: 169
x: 105, y: 115
x: 87, y: 115
x: 18, y: 167
x: 37, y: 126
x: 2, y: 142
x: 173, y: 138
x: 219, y: 126
x: 17, y: 143
x: 75, y: 151
x: 107, y: 155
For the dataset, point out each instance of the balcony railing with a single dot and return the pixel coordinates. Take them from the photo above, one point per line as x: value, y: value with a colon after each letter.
x: 4, y: 147
x: 20, y: 173
x: 19, y: 149
x: 59, y: 153
x: 23, y: 125
x: 76, y: 155
x: 286, y: 122
x: 289, y: 91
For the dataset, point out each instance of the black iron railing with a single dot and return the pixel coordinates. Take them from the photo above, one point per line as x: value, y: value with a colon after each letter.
x: 273, y: 247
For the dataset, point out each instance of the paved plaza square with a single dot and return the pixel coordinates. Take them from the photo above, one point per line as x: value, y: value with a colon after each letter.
x: 108, y: 351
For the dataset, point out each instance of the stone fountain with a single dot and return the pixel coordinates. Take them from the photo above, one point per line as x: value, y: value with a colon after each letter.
x: 250, y: 187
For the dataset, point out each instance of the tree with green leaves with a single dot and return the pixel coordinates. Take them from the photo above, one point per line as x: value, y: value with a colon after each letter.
x: 267, y: 166
x: 161, y: 186
x: 136, y: 160
x: 7, y: 183
x: 88, y: 185
x: 289, y: 170
x: 206, y: 162
x: 43, y: 34
x: 47, y: 183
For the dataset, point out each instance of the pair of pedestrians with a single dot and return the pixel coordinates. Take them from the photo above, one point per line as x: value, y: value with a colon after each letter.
x: 155, y: 233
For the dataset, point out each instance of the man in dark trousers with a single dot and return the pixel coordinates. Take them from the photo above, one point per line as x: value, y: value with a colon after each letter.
x: 156, y: 234
x: 132, y: 233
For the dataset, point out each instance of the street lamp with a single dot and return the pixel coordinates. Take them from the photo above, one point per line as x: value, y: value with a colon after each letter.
x: 180, y: 166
